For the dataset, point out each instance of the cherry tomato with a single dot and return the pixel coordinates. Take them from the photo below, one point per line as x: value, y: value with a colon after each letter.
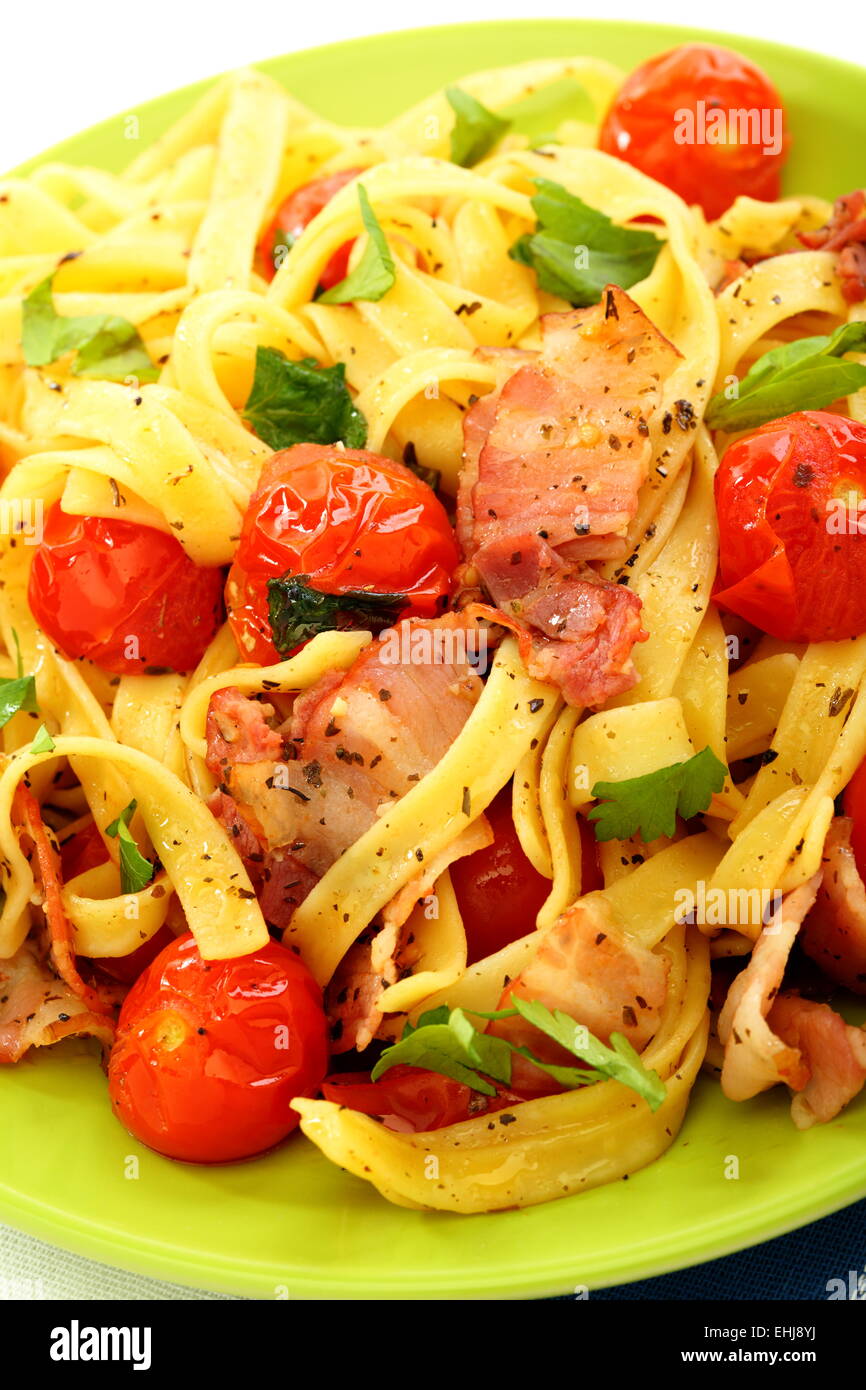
x: 296, y: 213
x: 669, y: 109
x: 410, y: 1099
x: 209, y: 1054
x: 125, y: 596
x: 854, y: 802
x: 792, y: 559
x: 347, y: 519
x: 498, y: 890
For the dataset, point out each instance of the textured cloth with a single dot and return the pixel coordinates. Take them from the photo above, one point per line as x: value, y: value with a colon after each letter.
x: 796, y: 1266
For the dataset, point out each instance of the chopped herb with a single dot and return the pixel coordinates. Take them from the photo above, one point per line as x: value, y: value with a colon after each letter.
x: 19, y: 692
x: 43, y: 742
x: 804, y: 375
x: 445, y: 1041
x: 374, y: 274
x: 135, y: 871
x: 476, y: 130
x: 298, y: 611
x: 302, y: 403
x: 648, y: 805
x: 105, y: 345
x: 576, y: 250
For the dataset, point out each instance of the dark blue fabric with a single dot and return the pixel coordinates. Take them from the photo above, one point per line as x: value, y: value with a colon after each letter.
x: 796, y: 1266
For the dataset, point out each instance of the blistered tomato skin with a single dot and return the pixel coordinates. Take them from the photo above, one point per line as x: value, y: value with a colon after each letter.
x: 126, y: 597
x: 792, y: 555
x: 296, y: 213
x: 347, y: 518
x: 209, y: 1054
x: 668, y: 115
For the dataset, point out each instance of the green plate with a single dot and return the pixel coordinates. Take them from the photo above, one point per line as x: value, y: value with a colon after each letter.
x: 291, y: 1225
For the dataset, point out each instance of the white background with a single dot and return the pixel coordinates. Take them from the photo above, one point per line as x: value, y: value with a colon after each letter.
x: 68, y: 65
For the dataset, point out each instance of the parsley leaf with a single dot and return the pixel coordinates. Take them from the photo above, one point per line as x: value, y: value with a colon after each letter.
x: 135, y: 871
x: 43, y: 742
x: 105, y: 345
x: 648, y: 805
x: 803, y: 375
x: 476, y: 130
x: 374, y: 274
x: 576, y: 250
x: 446, y: 1041
x: 17, y: 693
x: 302, y: 403
x: 298, y: 611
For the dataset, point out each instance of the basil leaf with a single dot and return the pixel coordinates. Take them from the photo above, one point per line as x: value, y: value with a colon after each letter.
x: 576, y: 250
x: 302, y: 403
x: 17, y: 692
x: 452, y: 1047
x: 43, y: 742
x: 135, y: 871
x: 648, y: 805
x: 804, y: 375
x: 476, y: 130
x: 374, y: 274
x: 105, y: 345
x: 297, y: 611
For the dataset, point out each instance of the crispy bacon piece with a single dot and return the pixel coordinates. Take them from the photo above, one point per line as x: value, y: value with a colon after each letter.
x: 834, y: 933
x: 845, y: 233
x: 358, y: 740
x: 574, y: 632
x: 38, y: 1009
x: 756, y: 1057
x: 770, y: 1036
x: 587, y: 967
x: 554, y: 459
x: 32, y: 829
x: 833, y: 1052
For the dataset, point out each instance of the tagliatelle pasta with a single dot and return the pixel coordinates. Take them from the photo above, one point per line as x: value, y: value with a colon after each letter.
x: 246, y: 348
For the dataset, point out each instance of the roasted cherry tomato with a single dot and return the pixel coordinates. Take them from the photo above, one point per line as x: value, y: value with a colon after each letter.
x: 411, y: 1099
x: 792, y: 558
x: 498, y: 890
x: 347, y: 520
x: 209, y: 1054
x: 678, y: 118
x: 296, y: 213
x: 125, y: 596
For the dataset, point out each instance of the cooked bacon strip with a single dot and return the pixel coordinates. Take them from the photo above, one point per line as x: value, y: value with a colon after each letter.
x: 38, y: 1009
x: 833, y: 1052
x: 554, y: 459
x: 755, y: 1057
x: 845, y: 233
x: 564, y: 448
x: 834, y: 933
x: 587, y: 967
x: 573, y: 631
x: 27, y: 816
x: 373, y: 964
x: 359, y: 739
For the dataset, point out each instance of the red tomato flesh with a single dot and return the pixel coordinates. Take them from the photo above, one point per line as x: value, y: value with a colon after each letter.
x: 854, y: 803
x: 411, y: 1100
x: 296, y: 213
x: 350, y: 520
x: 657, y: 124
x: 126, y: 597
x: 209, y: 1054
x: 792, y: 559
